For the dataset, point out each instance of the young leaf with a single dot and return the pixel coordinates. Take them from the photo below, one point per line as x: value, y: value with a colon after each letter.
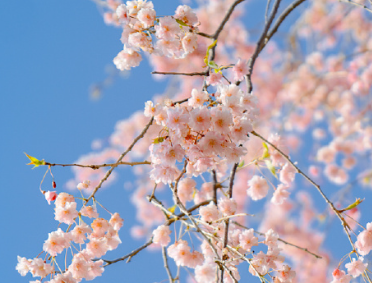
x: 172, y: 208
x: 206, y: 58
x: 271, y: 167
x: 353, y: 205
x: 158, y: 140
x: 34, y: 161
x: 181, y: 23
x: 266, y: 153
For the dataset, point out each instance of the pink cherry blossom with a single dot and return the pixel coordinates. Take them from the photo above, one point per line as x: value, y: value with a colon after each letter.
x: 89, y: 211
x: 205, y: 273
x: 161, y: 235
x: 39, y: 268
x: 186, y: 15
x: 127, y: 59
x: 84, y: 185
x: 287, y: 174
x: 214, y: 78
x: 164, y: 174
x: 209, y: 212
x: 257, y: 187
x: 63, y: 198
x: 50, y: 196
x: 23, y: 265
x: 167, y: 29
x: 116, y: 221
x: 57, y: 242
x: 100, y: 226
x: 147, y: 16
x: 339, y: 276
x: 280, y: 195
x: 364, y: 240
x: 227, y: 206
x: 97, y: 247
x: 356, y: 267
x: 190, y: 42
x: 200, y: 119
x: 66, y: 214
x: 240, y: 70
x: 122, y: 14
x: 78, y: 233
x: 286, y: 275
x: 247, y: 240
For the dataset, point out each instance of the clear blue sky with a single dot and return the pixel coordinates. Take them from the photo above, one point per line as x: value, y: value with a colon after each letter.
x: 51, y: 52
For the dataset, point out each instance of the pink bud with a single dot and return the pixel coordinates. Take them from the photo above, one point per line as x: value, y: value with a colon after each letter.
x: 50, y: 196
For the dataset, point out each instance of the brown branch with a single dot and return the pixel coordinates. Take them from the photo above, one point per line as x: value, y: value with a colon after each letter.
x: 158, y: 203
x: 108, y: 173
x: 356, y: 4
x: 215, y: 182
x: 130, y: 255
x: 180, y: 74
x: 280, y: 20
x: 184, y: 210
x: 225, y: 19
x: 281, y: 240
x: 343, y: 222
x: 227, y: 221
x: 97, y: 166
x: 166, y: 266
x: 260, y: 42
x: 205, y: 35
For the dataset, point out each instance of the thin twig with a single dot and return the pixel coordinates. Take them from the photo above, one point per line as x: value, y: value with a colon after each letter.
x: 343, y: 222
x: 227, y: 221
x: 184, y: 210
x: 130, y: 255
x: 356, y: 4
x: 97, y: 166
x: 267, y: 10
x: 121, y: 158
x: 166, y: 266
x: 260, y: 42
x: 180, y: 74
x: 204, y: 35
x: 225, y: 19
x: 281, y: 240
x: 215, y: 182
x: 280, y: 20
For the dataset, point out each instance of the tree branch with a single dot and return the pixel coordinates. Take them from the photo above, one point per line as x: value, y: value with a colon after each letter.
x: 141, y: 135
x: 180, y: 74
x: 97, y: 166
x: 260, y: 42
x: 227, y: 221
x: 166, y: 266
x: 356, y: 4
x: 129, y: 256
x: 281, y: 240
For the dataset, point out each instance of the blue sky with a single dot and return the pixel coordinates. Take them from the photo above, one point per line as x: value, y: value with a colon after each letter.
x: 51, y: 52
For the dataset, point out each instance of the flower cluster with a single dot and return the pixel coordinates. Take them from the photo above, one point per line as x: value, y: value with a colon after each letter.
x: 98, y: 237
x: 207, y: 131
x: 175, y: 35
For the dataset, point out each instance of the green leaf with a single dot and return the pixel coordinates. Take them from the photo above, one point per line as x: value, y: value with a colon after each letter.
x: 208, y: 49
x: 271, y: 167
x: 266, y: 153
x: 158, y: 140
x: 353, y: 205
x: 213, y: 65
x: 241, y: 164
x: 34, y: 161
x: 181, y: 23
x: 172, y: 208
